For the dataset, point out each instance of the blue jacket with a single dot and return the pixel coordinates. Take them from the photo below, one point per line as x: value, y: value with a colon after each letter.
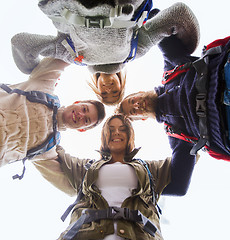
x: 176, y: 102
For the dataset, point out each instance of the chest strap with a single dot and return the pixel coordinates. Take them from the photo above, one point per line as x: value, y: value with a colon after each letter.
x: 113, y: 213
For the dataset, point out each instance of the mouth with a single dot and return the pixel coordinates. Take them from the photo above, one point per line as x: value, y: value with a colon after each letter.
x: 143, y: 105
x: 117, y: 140
x: 74, y: 117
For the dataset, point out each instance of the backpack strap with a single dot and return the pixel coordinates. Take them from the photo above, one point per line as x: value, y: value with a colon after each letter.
x: 152, y: 185
x: 113, y: 21
x: 79, y: 195
x: 113, y: 213
x: 51, y: 102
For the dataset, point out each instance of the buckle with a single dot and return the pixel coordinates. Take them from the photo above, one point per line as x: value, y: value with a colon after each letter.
x: 118, y: 213
x: 201, y: 104
x: 94, y: 22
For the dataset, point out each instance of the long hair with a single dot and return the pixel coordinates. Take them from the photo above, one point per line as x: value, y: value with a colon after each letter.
x: 93, y: 85
x: 105, y: 134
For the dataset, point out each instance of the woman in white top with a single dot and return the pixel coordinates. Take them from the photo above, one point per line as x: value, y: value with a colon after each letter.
x: 119, y: 193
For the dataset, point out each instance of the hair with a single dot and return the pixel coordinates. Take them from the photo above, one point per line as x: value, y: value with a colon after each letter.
x: 100, y: 112
x: 105, y: 134
x: 93, y: 85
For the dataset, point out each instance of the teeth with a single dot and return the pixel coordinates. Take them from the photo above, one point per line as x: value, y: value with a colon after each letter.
x: 116, y: 140
x: 74, y: 117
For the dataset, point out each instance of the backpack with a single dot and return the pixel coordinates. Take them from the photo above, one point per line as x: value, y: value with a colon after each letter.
x: 51, y: 102
x: 213, y: 49
x: 136, y: 22
x: 148, y: 226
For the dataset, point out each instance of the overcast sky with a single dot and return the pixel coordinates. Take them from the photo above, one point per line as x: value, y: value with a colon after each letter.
x: 31, y: 208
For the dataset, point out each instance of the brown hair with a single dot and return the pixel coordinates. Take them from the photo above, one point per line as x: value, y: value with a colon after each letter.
x: 93, y: 85
x: 105, y: 134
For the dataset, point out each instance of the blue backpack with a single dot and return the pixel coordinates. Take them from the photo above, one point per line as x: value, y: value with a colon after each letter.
x: 51, y: 102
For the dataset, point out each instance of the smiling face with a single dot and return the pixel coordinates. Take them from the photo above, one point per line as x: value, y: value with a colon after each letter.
x: 109, y: 86
x: 118, y: 136
x: 139, y: 105
x: 80, y: 115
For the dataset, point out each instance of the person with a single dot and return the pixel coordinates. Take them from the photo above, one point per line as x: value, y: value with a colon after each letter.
x: 89, y: 45
x: 119, y: 192
x: 192, y: 103
x: 26, y: 124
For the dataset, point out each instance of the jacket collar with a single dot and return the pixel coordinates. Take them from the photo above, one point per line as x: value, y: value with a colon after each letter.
x: 128, y: 158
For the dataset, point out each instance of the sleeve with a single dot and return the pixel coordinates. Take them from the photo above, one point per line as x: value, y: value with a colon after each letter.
x: 45, y: 75
x: 27, y: 49
x: 49, y: 167
x: 182, y: 166
x: 176, y: 20
x: 161, y: 173
x: 62, y: 170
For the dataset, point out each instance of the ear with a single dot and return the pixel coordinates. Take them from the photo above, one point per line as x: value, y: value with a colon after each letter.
x: 76, y: 102
x: 81, y: 130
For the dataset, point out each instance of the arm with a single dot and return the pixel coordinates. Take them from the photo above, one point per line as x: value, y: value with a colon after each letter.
x: 49, y: 167
x: 182, y: 165
x: 176, y: 20
x: 62, y: 170
x: 45, y: 75
x: 27, y: 49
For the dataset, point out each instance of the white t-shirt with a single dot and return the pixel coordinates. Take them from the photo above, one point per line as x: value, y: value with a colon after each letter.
x: 116, y: 182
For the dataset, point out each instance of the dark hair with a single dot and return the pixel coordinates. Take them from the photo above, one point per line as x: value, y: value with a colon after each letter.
x: 100, y: 111
x: 105, y: 134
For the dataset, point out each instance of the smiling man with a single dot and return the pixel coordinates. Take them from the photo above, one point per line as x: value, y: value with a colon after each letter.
x: 30, y: 116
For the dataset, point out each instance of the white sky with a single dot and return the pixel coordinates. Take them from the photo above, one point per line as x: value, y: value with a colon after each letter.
x: 31, y: 208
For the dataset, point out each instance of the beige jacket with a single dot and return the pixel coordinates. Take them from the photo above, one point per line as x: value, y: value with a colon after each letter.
x: 23, y: 124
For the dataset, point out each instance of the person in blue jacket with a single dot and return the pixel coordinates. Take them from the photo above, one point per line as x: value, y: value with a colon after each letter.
x: 193, y: 102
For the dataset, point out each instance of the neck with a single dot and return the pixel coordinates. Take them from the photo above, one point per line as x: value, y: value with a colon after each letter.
x: 117, y: 157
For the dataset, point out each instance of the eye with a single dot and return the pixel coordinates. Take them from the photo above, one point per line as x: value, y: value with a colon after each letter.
x: 87, y: 121
x: 122, y: 129
x: 84, y: 109
x: 103, y: 93
x: 132, y: 101
x: 114, y: 92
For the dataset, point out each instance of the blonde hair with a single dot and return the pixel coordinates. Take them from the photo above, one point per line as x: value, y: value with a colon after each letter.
x: 105, y: 134
x: 93, y: 85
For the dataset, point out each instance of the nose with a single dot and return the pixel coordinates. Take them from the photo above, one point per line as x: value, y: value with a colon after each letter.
x: 108, y: 89
x: 116, y: 131
x: 136, y: 105
x: 80, y: 115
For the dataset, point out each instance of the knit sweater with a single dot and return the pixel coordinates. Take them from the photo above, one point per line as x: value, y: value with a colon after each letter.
x: 23, y: 124
x: 94, y: 44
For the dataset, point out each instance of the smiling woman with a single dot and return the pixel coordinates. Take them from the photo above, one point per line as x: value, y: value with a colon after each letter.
x: 130, y: 201
x: 109, y: 88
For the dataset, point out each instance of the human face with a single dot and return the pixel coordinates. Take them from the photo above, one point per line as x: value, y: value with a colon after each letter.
x: 136, y: 105
x: 80, y: 115
x: 118, y: 136
x: 109, y: 86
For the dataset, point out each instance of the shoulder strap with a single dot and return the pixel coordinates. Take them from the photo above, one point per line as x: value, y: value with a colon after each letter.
x: 79, y: 195
x: 172, y: 74
x: 113, y: 21
x: 50, y: 101
x: 34, y: 96
x: 152, y: 185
